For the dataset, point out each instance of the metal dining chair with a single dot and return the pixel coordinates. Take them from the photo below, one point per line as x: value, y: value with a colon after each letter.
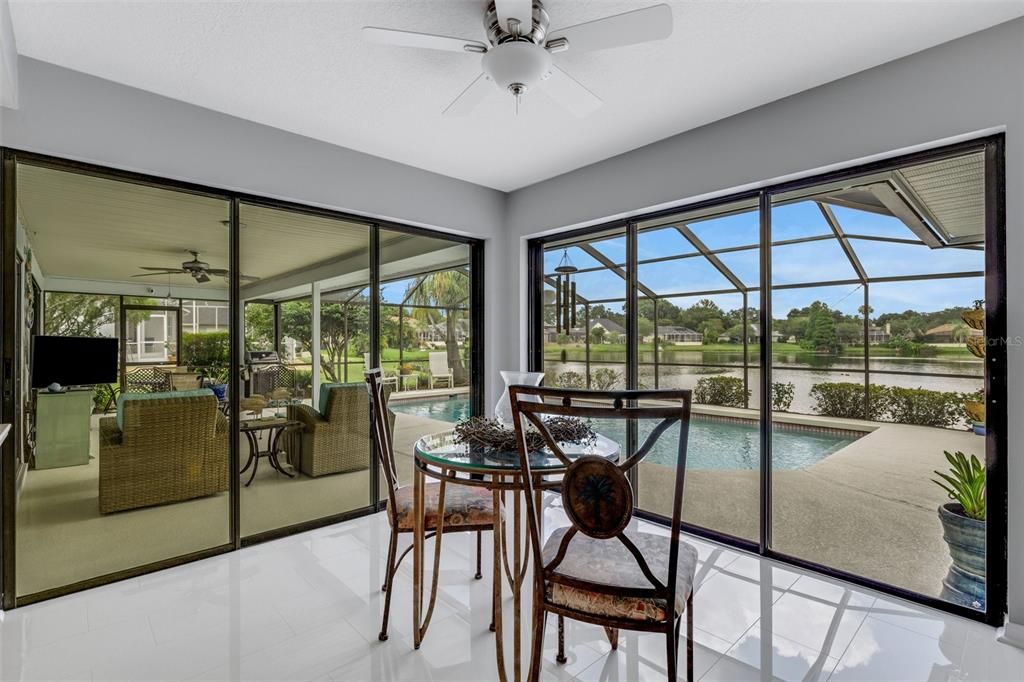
x: 600, y: 569
x: 466, y: 508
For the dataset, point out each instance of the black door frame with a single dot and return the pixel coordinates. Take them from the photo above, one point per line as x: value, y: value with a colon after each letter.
x: 9, y: 158
x: 995, y: 375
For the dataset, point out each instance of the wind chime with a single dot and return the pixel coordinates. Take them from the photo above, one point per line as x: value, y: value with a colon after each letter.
x: 565, y: 295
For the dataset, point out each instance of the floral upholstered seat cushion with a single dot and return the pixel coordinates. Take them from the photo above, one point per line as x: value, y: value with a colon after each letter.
x: 463, y: 506
x: 610, y: 563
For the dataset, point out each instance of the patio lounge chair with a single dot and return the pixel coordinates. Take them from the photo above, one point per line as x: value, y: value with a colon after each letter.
x: 439, y: 370
x: 335, y: 438
x: 164, y: 447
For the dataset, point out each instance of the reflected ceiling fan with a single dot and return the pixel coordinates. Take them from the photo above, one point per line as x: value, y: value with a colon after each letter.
x: 199, y: 270
x: 518, y: 57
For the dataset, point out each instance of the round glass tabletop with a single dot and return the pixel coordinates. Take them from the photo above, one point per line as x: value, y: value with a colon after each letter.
x: 441, y: 449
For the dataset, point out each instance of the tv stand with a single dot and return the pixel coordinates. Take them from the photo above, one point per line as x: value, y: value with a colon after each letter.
x: 62, y: 428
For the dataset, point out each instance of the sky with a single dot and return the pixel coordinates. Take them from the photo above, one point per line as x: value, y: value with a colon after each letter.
x: 807, y: 262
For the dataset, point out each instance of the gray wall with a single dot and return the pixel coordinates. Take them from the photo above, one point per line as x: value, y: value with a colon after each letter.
x: 955, y: 90
x: 81, y: 117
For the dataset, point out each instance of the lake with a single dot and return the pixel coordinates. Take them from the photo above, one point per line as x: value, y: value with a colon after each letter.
x: 802, y: 369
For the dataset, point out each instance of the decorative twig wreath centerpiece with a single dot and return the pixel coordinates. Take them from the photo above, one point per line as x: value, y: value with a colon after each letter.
x: 490, y: 434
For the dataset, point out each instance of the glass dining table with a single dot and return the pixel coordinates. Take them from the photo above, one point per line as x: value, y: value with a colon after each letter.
x: 440, y: 457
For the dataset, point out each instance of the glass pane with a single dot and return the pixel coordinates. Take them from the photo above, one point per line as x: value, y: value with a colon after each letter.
x: 109, y: 489
x: 889, y: 259
x: 425, y: 338
x: 739, y: 229
x: 797, y: 220
x: 661, y: 242
x: 745, y: 265
x: 700, y: 343
x: 808, y: 262
x: 345, y: 334
x: 683, y: 276
x: 151, y: 336
x: 295, y: 466
x: 917, y: 327
x: 584, y: 341
x: 882, y: 376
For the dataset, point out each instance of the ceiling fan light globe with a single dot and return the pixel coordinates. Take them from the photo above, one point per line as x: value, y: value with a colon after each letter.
x: 521, y: 64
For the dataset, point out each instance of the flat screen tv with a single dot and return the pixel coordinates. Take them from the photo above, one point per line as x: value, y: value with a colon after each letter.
x: 73, y: 361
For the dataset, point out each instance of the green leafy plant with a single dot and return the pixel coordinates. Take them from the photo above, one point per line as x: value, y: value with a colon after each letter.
x: 721, y: 390
x: 605, y: 379
x: 965, y: 483
x: 782, y: 395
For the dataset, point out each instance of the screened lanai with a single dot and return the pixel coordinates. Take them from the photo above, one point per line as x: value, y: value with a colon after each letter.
x: 830, y: 336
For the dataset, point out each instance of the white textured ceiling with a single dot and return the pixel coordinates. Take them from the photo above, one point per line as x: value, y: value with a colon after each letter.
x: 302, y: 67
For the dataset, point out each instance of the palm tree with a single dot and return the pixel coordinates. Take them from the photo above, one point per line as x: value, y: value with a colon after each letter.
x: 449, y: 290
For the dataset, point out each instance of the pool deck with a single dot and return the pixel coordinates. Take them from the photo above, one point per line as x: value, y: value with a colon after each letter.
x: 869, y: 508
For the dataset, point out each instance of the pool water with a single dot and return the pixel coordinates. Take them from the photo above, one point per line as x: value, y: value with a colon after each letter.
x: 442, y: 409
x: 714, y: 444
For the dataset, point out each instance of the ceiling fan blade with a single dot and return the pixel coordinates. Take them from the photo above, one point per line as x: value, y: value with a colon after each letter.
x: 159, y: 274
x: 519, y: 10
x: 394, y: 37
x: 629, y: 28
x: 164, y: 269
x: 470, y: 98
x: 570, y: 93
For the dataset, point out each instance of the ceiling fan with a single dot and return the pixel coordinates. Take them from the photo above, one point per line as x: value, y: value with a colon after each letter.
x: 518, y: 57
x: 199, y: 270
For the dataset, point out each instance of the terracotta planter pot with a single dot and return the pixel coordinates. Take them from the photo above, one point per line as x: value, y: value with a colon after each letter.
x: 965, y: 582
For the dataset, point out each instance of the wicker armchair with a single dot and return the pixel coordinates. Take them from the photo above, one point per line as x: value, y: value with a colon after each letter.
x: 339, y: 439
x: 171, y: 449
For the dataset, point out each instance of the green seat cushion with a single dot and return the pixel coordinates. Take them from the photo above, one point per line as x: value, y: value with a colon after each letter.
x: 125, y: 397
x: 325, y: 390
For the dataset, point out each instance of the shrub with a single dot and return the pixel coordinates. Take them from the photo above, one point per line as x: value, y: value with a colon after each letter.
x: 845, y: 399
x: 721, y: 390
x: 605, y: 379
x: 924, y: 407
x: 570, y: 379
x: 207, y: 353
x: 782, y: 395
x: 918, y: 406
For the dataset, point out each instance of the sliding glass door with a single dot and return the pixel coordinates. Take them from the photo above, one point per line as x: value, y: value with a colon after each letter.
x: 215, y: 347
x: 127, y: 470
x: 841, y: 336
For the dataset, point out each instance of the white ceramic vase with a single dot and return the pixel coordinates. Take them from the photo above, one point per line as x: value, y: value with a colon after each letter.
x: 503, y: 410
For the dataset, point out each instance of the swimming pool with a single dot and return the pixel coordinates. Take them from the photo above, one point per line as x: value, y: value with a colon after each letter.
x: 714, y: 443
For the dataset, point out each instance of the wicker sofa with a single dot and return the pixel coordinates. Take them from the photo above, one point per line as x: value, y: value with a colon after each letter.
x: 171, y: 449
x: 337, y: 440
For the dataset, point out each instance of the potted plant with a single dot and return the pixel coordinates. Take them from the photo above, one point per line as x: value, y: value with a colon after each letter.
x: 963, y: 528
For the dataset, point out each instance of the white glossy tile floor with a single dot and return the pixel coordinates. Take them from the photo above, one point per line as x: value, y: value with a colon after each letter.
x: 308, y: 608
